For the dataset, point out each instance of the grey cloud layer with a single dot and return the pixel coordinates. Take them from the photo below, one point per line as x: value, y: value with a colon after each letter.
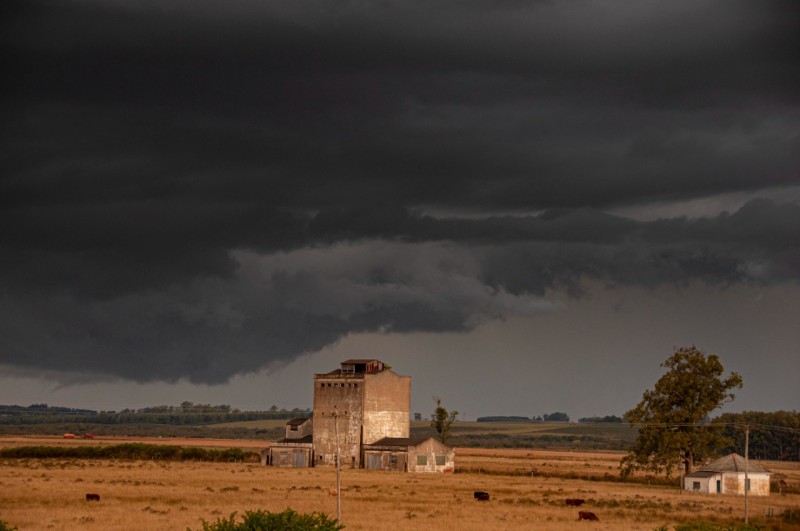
x: 202, y: 189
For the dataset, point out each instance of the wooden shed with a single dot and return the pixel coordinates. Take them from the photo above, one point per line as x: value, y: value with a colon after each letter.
x: 409, y: 455
x: 291, y: 452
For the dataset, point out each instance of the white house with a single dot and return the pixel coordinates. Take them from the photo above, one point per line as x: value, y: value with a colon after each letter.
x: 726, y: 476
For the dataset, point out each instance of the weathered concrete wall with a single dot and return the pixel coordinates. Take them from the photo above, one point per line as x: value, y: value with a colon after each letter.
x: 732, y: 483
x: 385, y: 460
x: 706, y: 485
x: 287, y: 455
x: 344, y: 396
x: 387, y: 406
x: 300, y: 431
x: 368, y: 406
x: 759, y: 484
x: 437, y: 457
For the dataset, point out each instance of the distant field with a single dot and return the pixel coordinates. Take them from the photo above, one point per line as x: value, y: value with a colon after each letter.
x: 561, y: 435
x: 49, y: 493
x: 543, y: 435
x: 252, y: 424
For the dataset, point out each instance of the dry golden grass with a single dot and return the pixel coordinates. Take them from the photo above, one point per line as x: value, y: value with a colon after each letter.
x: 50, y: 494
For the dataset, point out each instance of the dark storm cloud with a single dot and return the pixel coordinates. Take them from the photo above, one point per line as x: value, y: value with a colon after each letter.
x: 199, y: 189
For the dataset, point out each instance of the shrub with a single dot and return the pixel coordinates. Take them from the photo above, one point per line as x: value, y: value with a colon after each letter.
x: 5, y: 526
x: 288, y: 520
x: 710, y: 526
x: 791, y: 515
x: 156, y: 452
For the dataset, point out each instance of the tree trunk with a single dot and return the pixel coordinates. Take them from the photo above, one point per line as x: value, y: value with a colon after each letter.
x: 689, y: 463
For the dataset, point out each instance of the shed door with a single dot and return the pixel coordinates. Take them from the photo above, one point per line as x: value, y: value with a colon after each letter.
x: 719, y: 486
x: 299, y: 458
x: 374, y: 461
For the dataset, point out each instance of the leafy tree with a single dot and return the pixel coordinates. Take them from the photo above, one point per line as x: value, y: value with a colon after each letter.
x: 672, y: 418
x: 774, y: 435
x: 556, y: 417
x: 442, y: 419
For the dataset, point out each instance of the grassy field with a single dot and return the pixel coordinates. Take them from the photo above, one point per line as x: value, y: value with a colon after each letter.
x: 50, y: 493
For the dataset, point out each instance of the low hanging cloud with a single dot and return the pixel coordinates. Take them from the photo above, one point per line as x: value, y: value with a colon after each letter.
x: 422, y: 274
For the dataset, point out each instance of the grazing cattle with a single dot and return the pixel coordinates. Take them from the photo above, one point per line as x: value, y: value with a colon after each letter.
x: 481, y: 496
x: 92, y: 497
x: 586, y: 515
x: 575, y: 502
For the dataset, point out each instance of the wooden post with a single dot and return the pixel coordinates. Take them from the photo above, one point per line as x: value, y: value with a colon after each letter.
x: 338, y: 481
x: 746, y: 478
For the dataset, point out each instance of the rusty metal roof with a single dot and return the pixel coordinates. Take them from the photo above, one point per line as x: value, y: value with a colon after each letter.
x: 308, y: 439
x: 733, y: 463
x: 297, y: 421
x: 360, y: 361
x: 399, y: 441
x: 701, y: 474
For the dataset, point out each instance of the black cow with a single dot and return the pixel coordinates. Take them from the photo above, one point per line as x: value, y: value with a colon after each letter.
x: 92, y: 497
x: 481, y: 496
x: 586, y: 515
x: 575, y: 502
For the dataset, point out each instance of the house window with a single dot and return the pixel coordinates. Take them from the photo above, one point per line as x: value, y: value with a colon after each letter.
x: 293, y: 427
x: 695, y: 485
x: 422, y: 460
x: 393, y: 460
x: 748, y: 485
x: 440, y: 460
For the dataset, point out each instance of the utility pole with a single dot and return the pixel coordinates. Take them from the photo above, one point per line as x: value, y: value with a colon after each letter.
x: 746, y: 478
x: 338, y: 480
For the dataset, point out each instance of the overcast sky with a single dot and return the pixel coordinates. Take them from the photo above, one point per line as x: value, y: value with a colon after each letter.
x: 526, y: 206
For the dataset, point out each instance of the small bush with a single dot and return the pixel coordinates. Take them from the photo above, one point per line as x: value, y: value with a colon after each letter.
x: 5, y: 526
x: 288, y: 520
x: 791, y: 515
x: 710, y: 526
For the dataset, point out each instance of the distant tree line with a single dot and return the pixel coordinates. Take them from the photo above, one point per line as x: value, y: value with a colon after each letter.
x: 773, y: 436
x: 548, y: 417
x: 595, y: 420
x: 185, y: 414
x: 501, y: 418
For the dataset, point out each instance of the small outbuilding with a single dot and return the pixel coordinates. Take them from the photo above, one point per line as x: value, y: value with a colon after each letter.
x: 296, y: 449
x: 727, y: 476
x: 409, y: 455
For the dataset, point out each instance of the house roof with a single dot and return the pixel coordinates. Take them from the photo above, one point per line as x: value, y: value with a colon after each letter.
x: 297, y: 421
x: 701, y: 474
x: 359, y: 361
x: 733, y: 463
x: 397, y: 441
x: 308, y: 439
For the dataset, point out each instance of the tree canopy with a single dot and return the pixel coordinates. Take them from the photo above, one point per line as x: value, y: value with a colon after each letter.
x: 442, y: 419
x: 673, y: 417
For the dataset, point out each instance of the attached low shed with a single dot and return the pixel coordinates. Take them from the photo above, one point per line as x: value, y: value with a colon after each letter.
x: 727, y: 476
x: 291, y: 452
x: 409, y: 455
